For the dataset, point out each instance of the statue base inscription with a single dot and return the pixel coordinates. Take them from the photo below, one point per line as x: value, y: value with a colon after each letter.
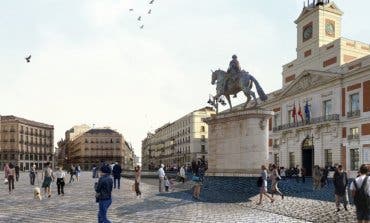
x: 238, y: 142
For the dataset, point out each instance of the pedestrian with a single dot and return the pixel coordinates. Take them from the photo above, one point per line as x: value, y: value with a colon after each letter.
x: 303, y: 174
x: 196, y: 180
x: 360, y: 188
x: 71, y: 172
x: 60, y: 175
x: 48, y: 178
x: 16, y: 168
x: 33, y: 174
x: 166, y: 183
x: 297, y: 173
x: 116, y: 172
x: 78, y: 172
x: 317, y: 175
x: 324, y: 178
x: 94, y: 172
x: 103, y: 191
x: 137, y: 180
x: 275, y: 178
x: 282, y: 173
x: 182, y: 174
x: 340, y: 187
x: 9, y: 176
x: 161, y: 175
x: 263, y: 185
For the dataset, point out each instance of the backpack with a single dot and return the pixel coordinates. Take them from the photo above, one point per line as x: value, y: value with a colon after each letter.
x: 362, y: 198
x: 259, y: 182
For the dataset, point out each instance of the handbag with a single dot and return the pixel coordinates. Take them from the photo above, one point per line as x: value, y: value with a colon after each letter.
x: 5, y: 181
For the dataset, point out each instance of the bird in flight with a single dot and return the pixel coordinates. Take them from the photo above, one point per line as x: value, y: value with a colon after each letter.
x: 142, y: 27
x: 150, y: 11
x: 131, y: 10
x: 28, y: 59
x: 151, y: 2
x: 139, y: 19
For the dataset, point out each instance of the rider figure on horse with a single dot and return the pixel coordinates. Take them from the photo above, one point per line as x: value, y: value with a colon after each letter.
x: 233, y: 71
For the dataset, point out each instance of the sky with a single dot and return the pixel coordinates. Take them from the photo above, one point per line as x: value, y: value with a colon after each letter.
x: 92, y: 64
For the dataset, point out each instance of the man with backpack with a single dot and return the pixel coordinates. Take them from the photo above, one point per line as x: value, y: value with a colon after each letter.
x: 360, y: 188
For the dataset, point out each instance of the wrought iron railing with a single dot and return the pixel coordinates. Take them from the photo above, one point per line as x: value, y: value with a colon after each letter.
x: 353, y: 137
x: 317, y: 120
x: 353, y: 114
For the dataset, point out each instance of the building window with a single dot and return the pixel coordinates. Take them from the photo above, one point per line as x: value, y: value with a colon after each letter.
x: 202, y: 129
x: 353, y: 133
x: 203, y: 149
x: 290, y: 116
x: 328, y: 157
x: 203, y: 138
x: 354, y: 101
x: 277, y: 120
x: 291, y: 160
x: 327, y: 106
x: 276, y: 159
x: 354, y: 159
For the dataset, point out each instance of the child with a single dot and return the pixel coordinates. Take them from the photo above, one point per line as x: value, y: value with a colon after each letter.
x: 166, y: 183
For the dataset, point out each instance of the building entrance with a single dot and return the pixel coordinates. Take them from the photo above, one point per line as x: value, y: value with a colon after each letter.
x: 308, y: 155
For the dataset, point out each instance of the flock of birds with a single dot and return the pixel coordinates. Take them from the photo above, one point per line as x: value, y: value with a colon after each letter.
x: 140, y: 17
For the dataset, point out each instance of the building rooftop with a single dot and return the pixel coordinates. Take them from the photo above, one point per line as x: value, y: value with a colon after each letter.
x: 6, y: 118
x: 104, y: 131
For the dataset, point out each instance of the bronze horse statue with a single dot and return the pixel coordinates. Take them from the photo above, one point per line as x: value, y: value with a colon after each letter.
x: 243, y: 81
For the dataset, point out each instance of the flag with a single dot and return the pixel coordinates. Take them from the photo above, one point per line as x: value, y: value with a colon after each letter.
x: 300, y: 112
x: 294, y: 113
x: 307, y: 112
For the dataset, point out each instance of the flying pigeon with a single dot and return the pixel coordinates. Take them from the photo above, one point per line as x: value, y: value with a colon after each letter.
x: 28, y: 59
x: 142, y: 27
x: 131, y: 10
x: 150, y: 11
x: 151, y: 2
x: 139, y: 19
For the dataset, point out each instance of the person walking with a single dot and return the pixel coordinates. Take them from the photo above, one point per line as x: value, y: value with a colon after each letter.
x: 16, y: 168
x: 78, y: 172
x: 48, y: 177
x: 117, y: 170
x: 103, y: 191
x: 340, y: 187
x: 360, y: 188
x: 263, y: 187
x: 60, y: 175
x: 94, y: 172
x: 317, y: 175
x: 9, y: 175
x: 196, y: 179
x: 137, y: 180
x: 33, y: 174
x: 71, y: 172
x: 182, y: 174
x: 275, y: 178
x: 161, y: 175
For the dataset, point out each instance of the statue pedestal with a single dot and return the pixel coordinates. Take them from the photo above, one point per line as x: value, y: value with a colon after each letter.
x: 238, y: 142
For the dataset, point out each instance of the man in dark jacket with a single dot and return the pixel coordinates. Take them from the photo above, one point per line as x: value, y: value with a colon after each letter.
x: 117, y: 170
x: 16, y: 172
x: 104, y: 193
x: 340, y: 181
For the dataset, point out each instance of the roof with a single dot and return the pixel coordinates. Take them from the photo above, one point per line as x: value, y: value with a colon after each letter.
x: 102, y: 131
x: 25, y: 121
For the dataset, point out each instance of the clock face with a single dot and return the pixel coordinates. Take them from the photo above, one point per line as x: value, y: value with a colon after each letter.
x: 307, y: 32
x: 330, y: 29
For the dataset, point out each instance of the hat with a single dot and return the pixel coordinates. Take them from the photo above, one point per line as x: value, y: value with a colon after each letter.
x: 105, y: 169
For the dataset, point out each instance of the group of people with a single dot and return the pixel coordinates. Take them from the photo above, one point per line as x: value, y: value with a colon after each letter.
x: 74, y: 170
x: 360, y: 187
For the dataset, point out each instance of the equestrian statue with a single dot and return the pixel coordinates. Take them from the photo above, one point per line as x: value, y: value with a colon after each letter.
x: 233, y: 81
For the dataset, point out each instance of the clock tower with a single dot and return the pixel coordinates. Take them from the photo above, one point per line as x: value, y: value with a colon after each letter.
x: 318, y: 24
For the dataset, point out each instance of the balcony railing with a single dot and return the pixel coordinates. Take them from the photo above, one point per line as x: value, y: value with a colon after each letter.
x: 322, y: 119
x: 353, y: 137
x: 353, y: 114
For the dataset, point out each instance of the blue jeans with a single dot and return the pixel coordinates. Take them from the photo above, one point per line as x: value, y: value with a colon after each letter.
x: 119, y: 182
x: 103, y: 209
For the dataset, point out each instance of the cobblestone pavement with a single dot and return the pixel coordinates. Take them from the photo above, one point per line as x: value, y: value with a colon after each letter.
x: 78, y: 205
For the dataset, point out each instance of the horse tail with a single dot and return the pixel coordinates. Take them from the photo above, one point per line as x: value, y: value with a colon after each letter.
x: 260, y: 91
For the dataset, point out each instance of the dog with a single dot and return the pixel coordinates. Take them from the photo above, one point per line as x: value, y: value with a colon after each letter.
x: 37, y: 193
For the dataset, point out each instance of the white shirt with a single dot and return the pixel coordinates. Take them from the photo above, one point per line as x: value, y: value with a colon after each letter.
x: 161, y: 173
x: 359, y: 181
x: 60, y: 174
x: 182, y: 172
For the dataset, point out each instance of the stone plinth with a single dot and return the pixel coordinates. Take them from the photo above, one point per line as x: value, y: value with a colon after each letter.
x: 238, y: 142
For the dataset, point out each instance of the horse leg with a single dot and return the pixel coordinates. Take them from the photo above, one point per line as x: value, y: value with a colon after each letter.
x: 228, y: 100
x: 254, y: 98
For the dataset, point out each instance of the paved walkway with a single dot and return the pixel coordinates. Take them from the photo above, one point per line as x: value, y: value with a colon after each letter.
x: 78, y: 205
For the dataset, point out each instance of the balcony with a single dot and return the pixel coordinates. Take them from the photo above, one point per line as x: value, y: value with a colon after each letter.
x: 353, y: 114
x: 353, y: 137
x: 318, y: 120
